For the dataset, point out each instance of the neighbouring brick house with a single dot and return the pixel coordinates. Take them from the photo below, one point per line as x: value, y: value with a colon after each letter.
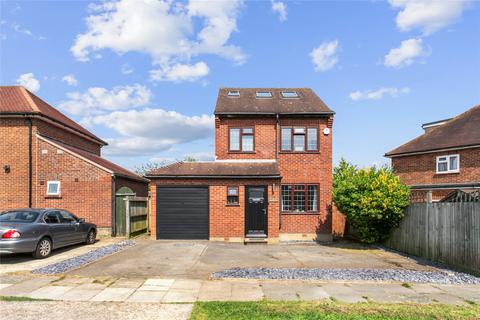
x: 49, y: 161
x: 444, y: 158
x: 271, y: 180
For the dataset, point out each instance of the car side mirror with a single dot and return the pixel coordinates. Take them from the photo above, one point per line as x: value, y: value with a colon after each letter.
x: 81, y: 220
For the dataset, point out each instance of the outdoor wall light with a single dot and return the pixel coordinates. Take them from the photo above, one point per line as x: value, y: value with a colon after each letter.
x: 6, y: 168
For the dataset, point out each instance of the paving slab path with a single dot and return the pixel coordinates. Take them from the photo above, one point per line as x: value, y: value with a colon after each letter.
x: 171, y: 290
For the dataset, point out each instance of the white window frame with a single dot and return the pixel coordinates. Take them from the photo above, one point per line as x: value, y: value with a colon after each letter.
x: 58, y: 189
x: 448, y: 164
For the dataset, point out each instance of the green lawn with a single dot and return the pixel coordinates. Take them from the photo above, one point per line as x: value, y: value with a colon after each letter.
x: 329, y: 311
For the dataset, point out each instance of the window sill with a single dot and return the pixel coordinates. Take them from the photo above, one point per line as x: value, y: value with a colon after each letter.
x: 242, y: 152
x: 448, y: 172
x: 232, y: 205
x: 53, y: 197
x: 299, y: 152
x: 300, y: 213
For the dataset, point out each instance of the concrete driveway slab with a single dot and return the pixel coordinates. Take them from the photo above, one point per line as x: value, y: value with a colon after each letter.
x: 146, y: 296
x: 27, y: 286
x: 49, y: 292
x: 113, y: 294
x: 80, y: 294
x: 180, y: 295
x: 215, y: 291
x: 246, y: 291
x: 199, y: 259
x: 342, y: 292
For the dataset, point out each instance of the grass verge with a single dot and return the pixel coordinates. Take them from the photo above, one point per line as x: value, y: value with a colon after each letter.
x: 329, y: 311
x: 14, y: 298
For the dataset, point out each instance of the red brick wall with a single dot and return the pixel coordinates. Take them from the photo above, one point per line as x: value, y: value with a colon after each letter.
x: 13, y: 152
x: 55, y: 132
x: 315, y: 168
x: 225, y: 221
x: 86, y: 190
x: 420, y: 169
x: 140, y: 188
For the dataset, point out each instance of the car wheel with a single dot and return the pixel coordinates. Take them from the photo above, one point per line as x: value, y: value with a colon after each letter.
x: 91, y: 237
x: 44, y: 249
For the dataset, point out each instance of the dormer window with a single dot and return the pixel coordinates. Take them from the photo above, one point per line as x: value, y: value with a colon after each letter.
x: 233, y: 93
x: 289, y: 94
x: 264, y: 94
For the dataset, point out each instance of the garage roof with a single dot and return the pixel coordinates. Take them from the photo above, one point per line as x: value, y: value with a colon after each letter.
x: 217, y: 170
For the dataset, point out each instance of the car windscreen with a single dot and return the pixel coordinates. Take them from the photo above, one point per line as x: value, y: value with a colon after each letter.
x: 19, y: 216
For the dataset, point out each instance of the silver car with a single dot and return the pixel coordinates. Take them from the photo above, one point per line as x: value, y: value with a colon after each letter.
x: 39, y: 231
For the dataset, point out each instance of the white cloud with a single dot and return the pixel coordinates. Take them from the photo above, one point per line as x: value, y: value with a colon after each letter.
x: 406, y: 54
x: 325, y: 57
x: 150, y: 131
x: 170, y: 32
x: 19, y: 29
x: 97, y: 100
x: 126, y: 69
x: 28, y: 81
x: 180, y: 72
x: 428, y: 15
x: 70, y: 80
x: 378, y: 94
x: 280, y: 8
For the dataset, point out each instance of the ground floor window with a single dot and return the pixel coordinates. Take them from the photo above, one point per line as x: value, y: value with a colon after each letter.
x: 232, y: 195
x: 299, y: 198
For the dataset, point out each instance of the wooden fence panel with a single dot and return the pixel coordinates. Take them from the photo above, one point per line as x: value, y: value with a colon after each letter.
x: 137, y: 215
x: 443, y: 232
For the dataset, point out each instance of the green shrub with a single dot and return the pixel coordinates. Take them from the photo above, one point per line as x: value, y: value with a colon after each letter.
x: 372, y: 199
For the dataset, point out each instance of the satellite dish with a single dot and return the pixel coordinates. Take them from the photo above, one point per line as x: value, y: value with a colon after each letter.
x: 326, y: 131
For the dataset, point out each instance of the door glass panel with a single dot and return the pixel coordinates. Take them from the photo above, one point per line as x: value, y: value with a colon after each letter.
x: 255, y: 195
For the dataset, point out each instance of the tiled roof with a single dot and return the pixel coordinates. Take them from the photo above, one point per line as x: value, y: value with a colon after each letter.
x: 17, y: 99
x: 247, y: 102
x: 97, y: 160
x: 217, y: 169
x: 461, y: 131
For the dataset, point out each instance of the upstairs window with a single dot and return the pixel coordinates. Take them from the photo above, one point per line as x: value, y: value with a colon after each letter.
x: 232, y: 195
x: 241, y: 140
x: 448, y: 164
x: 53, y: 188
x: 289, y: 94
x: 299, y: 139
x: 263, y: 94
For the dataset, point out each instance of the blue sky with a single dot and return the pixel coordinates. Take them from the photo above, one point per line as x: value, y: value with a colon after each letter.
x: 145, y: 75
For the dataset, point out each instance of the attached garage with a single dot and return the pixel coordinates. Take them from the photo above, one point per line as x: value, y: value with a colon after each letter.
x: 182, y: 212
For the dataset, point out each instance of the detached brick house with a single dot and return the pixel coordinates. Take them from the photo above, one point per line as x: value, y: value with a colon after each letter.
x: 444, y: 158
x: 49, y: 161
x: 271, y: 180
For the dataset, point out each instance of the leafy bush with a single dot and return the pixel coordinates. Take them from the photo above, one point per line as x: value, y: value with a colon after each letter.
x: 372, y: 199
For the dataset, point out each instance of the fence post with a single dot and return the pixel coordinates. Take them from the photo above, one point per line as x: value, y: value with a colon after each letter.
x: 127, y: 219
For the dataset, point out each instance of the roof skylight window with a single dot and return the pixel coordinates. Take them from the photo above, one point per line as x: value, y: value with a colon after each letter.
x: 289, y: 94
x: 263, y: 94
x: 233, y: 93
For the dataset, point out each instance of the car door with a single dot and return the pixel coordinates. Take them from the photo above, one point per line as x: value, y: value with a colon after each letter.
x: 56, y: 229
x: 70, y: 227
x: 78, y: 234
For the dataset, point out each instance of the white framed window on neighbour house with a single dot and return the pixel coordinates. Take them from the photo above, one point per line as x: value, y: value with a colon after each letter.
x: 448, y: 164
x: 53, y: 188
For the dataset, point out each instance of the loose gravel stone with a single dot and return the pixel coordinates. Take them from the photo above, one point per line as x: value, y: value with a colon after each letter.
x: 402, y: 275
x: 83, y: 259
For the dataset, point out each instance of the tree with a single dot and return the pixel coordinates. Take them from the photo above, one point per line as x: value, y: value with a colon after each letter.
x: 145, y: 168
x: 372, y: 199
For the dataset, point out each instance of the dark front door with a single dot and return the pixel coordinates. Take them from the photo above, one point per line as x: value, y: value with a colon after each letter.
x: 182, y: 212
x: 256, y: 211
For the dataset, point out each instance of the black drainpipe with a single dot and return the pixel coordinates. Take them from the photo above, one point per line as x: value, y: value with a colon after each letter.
x: 30, y: 166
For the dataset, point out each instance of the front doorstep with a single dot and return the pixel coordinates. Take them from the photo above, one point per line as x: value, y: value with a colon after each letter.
x: 269, y: 240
